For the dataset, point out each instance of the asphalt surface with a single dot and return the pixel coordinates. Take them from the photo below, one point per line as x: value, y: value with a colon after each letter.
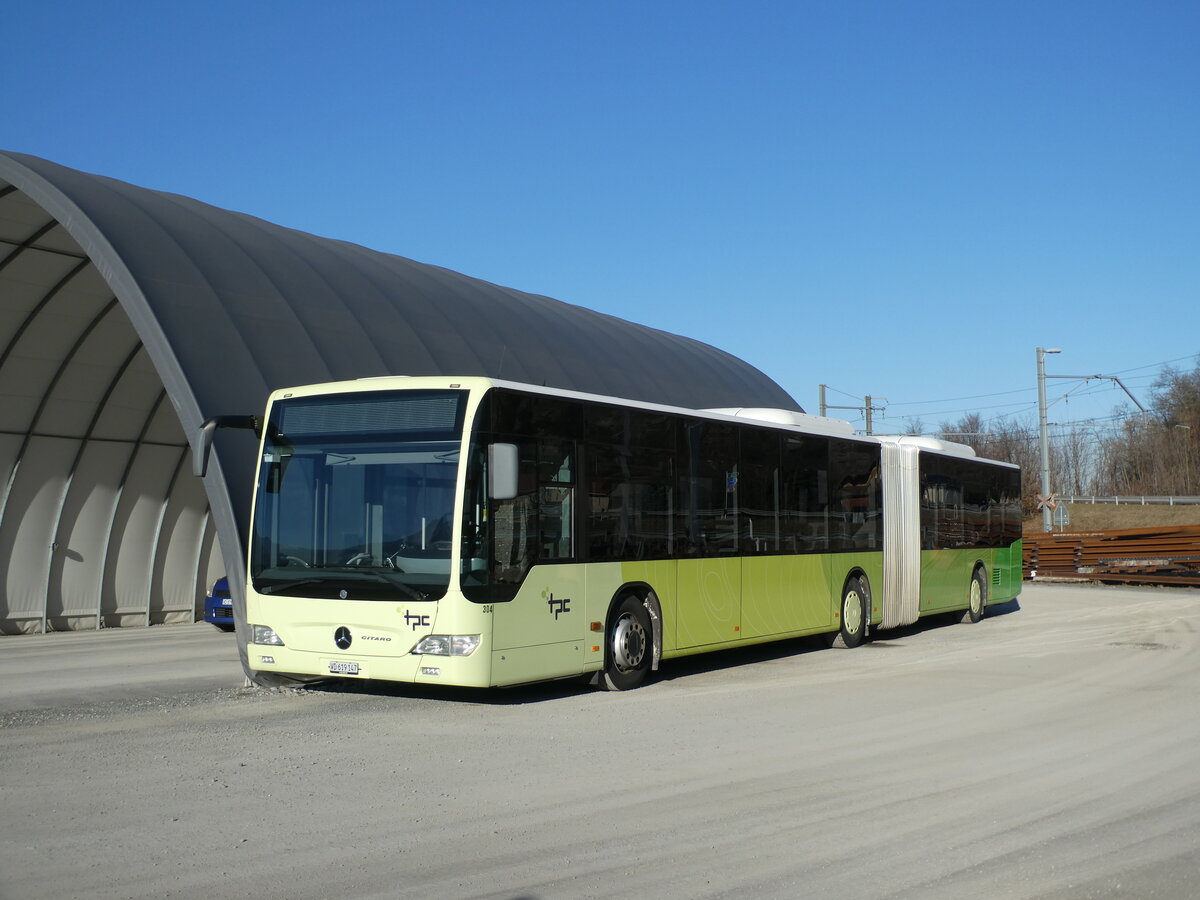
x: 1048, y: 751
x: 67, y: 669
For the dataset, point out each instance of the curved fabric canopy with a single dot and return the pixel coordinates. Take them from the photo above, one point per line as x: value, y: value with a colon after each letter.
x: 128, y: 316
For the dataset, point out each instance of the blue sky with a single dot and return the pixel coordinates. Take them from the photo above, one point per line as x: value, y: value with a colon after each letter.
x: 901, y: 199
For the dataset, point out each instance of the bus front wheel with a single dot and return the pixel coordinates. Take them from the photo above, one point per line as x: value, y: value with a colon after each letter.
x: 628, y: 654
x: 855, y: 606
x: 976, y: 599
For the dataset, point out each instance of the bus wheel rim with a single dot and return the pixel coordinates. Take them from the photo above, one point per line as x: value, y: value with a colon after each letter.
x: 852, y: 612
x: 628, y: 643
x: 976, y: 596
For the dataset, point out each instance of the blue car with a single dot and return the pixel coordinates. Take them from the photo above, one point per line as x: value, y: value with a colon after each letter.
x: 218, y: 605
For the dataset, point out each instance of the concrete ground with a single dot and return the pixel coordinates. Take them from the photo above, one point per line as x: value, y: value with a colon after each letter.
x: 57, y: 671
x: 1048, y: 751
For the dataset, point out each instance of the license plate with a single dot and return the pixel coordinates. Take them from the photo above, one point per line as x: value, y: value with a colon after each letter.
x: 343, y: 667
x: 227, y: 602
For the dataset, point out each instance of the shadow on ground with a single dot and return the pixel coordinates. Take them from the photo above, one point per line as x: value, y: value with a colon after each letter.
x: 671, y: 670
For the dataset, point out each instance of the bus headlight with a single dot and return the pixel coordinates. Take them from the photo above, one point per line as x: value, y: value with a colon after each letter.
x: 266, y: 635
x: 447, y: 645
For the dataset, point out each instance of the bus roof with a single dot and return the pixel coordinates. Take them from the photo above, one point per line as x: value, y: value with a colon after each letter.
x: 784, y: 419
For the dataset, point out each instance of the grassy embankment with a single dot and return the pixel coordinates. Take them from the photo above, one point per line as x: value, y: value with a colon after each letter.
x: 1108, y: 516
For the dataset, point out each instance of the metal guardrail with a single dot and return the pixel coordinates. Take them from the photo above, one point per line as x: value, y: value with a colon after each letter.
x: 1134, y: 500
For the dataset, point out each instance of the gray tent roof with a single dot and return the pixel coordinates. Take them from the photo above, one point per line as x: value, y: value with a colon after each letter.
x: 156, y: 297
x: 286, y: 307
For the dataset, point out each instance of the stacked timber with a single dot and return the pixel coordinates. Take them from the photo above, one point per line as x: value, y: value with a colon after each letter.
x: 1161, y: 555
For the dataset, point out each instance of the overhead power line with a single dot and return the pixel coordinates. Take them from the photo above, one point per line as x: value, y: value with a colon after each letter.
x: 960, y: 399
x: 1159, y: 365
x: 1028, y: 390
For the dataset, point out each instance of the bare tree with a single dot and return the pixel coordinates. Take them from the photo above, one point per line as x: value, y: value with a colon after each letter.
x: 1071, y: 467
x: 1156, y: 453
x: 968, y: 430
x: 1176, y: 398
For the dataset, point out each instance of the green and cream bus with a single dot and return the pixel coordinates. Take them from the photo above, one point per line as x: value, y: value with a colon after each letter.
x: 476, y: 532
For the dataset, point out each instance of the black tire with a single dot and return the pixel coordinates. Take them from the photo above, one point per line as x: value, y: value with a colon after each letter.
x: 856, y: 606
x: 628, y: 646
x: 976, y: 598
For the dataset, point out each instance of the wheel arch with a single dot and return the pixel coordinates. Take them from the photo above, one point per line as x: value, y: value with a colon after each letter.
x: 982, y: 566
x: 860, y: 573
x: 648, y: 598
x: 979, y: 576
x: 857, y: 576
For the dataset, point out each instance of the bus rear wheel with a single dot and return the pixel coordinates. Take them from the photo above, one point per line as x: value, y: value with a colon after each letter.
x: 855, y: 604
x: 976, y: 599
x: 628, y: 654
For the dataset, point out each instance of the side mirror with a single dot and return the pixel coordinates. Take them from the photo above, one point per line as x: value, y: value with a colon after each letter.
x: 504, y: 461
x: 202, y: 446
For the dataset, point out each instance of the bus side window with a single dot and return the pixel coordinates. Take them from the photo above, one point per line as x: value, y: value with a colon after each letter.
x: 759, y: 486
x: 515, y: 523
x: 556, y: 495
x: 854, y: 479
x: 805, y: 493
x: 711, y: 487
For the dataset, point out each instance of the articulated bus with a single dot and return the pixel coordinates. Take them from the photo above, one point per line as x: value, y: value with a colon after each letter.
x: 476, y: 532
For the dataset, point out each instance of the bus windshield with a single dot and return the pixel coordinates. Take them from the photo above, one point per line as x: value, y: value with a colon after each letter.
x: 356, y: 496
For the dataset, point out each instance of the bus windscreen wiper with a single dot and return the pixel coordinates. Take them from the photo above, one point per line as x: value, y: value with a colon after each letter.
x: 275, y: 588
x: 386, y: 579
x: 413, y: 593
